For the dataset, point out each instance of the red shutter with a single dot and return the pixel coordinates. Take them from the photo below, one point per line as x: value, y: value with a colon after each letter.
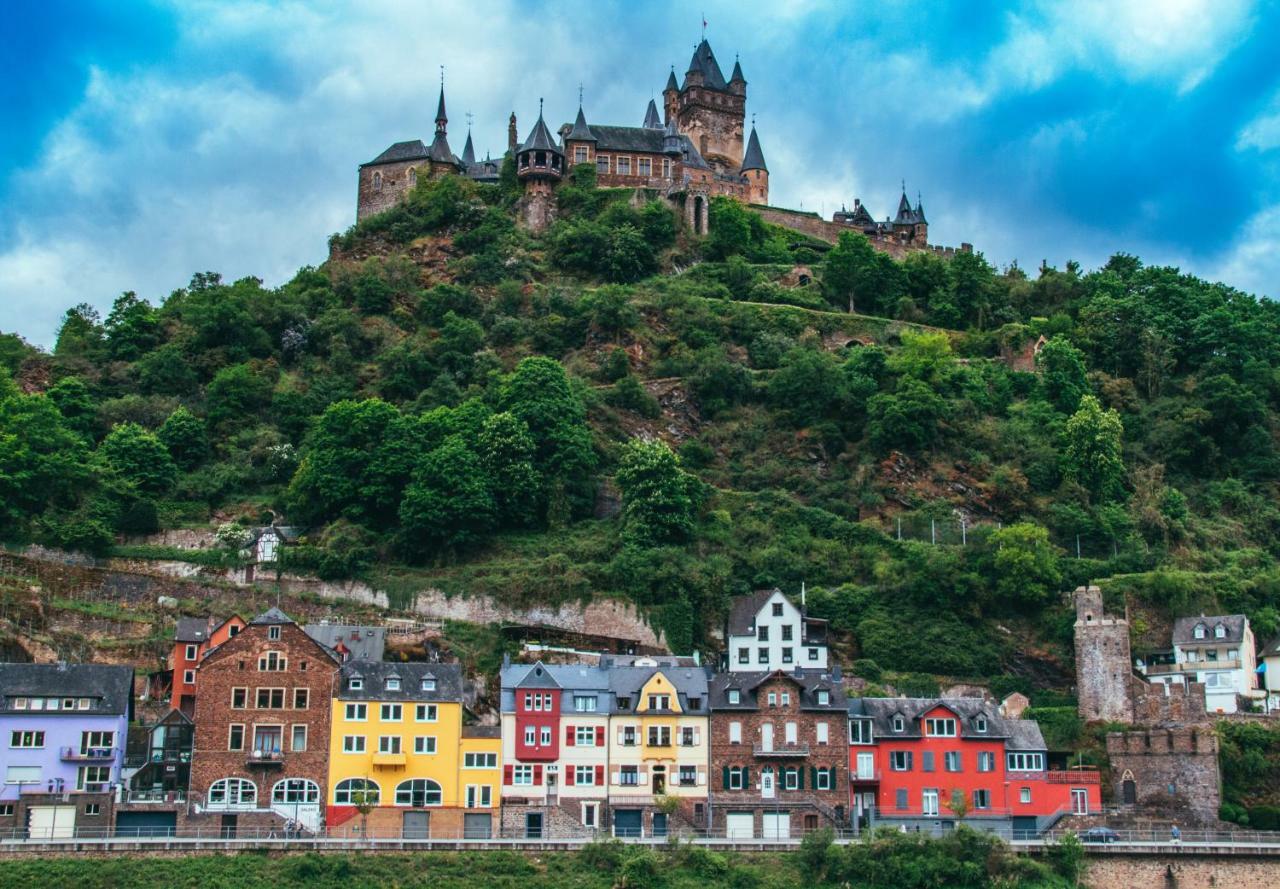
x: 537, y: 775
x: 568, y: 775
x: 599, y: 736
x: 568, y: 736
x: 507, y: 775
x: 600, y: 773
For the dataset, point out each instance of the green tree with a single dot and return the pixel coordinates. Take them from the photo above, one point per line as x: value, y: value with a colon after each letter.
x: 166, y: 371
x: 42, y: 462
x: 729, y: 228
x: 132, y: 328
x: 907, y: 418
x: 183, y: 434
x: 925, y: 356
x: 1092, y: 450
x: 1063, y: 374
x: 852, y: 273
x: 1026, y: 565
x: 449, y: 503
x: 507, y: 452
x: 75, y: 403
x: 808, y: 386
x: 659, y: 499
x: 235, y: 396
x: 609, y: 310
x: 138, y: 457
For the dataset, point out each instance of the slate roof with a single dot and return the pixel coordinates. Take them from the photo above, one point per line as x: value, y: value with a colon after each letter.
x: 580, y: 131
x: 967, y: 710
x: 110, y: 686
x: 1271, y: 650
x: 1184, y: 629
x: 689, y: 682
x: 808, y: 682
x: 192, y: 629
x: 651, y: 119
x: 468, y: 151
x: 704, y: 60
x: 742, y: 614
x: 906, y: 216
x: 440, y: 114
x: 414, y: 149
x: 737, y: 77
x: 375, y: 674
x: 362, y: 643
x: 672, y: 84
x: 753, y: 159
x: 628, y: 139
x: 540, y: 138
x: 920, y: 211
x: 272, y: 616
x: 440, y: 151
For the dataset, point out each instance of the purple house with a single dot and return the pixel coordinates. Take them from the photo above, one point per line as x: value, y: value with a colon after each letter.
x: 62, y: 733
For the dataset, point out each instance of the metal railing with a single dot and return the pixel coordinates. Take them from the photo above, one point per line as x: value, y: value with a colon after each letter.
x: 155, y: 796
x: 87, y: 754
x: 781, y: 750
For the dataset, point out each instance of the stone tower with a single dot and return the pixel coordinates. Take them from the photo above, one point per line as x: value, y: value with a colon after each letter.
x: 1104, y: 665
x: 710, y: 110
x: 539, y: 167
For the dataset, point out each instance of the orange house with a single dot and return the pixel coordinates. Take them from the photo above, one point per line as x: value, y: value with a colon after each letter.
x: 193, y: 639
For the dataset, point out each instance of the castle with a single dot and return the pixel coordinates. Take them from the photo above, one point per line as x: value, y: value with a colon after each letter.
x: 697, y: 147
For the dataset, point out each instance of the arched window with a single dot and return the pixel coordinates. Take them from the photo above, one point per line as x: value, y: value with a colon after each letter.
x: 413, y: 177
x: 418, y: 792
x: 356, y: 791
x: 295, y: 790
x: 377, y: 181
x: 232, y: 792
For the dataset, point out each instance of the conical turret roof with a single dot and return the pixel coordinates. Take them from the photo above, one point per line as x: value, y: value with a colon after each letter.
x: 753, y: 159
x: 672, y: 83
x: 704, y: 61
x: 540, y: 138
x: 905, y: 214
x: 919, y: 211
x: 442, y: 119
x: 737, y: 77
x: 651, y: 119
x: 580, y: 131
x: 468, y: 151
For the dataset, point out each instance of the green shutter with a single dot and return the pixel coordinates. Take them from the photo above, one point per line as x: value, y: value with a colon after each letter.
x: 726, y: 777
x: 800, y: 777
x: 746, y: 778
x: 813, y: 777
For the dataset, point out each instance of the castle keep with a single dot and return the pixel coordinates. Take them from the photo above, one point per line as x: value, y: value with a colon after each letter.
x: 698, y: 146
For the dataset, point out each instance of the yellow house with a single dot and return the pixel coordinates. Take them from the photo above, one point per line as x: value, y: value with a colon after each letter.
x: 658, y: 747
x: 397, y: 751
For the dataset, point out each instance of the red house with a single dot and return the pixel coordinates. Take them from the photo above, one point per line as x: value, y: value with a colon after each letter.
x: 926, y: 763
x: 193, y: 639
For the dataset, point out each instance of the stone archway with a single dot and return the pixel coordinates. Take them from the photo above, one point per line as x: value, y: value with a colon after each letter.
x: 696, y: 213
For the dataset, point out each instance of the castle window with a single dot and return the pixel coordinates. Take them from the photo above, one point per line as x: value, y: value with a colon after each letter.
x: 666, y: 168
x: 580, y: 154
x: 377, y: 181
x: 602, y: 163
x: 413, y: 177
x: 645, y: 166
x: 624, y: 166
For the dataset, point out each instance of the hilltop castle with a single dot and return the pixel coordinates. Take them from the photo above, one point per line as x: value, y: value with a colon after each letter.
x: 691, y: 151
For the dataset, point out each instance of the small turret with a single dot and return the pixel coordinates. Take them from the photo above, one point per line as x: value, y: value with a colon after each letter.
x: 539, y: 159
x: 906, y: 216
x: 670, y: 98
x: 919, y: 211
x: 439, y: 151
x: 671, y: 143
x: 512, y: 140
x: 737, y: 83
x: 468, y: 151
x: 580, y: 132
x: 651, y: 120
x: 755, y: 170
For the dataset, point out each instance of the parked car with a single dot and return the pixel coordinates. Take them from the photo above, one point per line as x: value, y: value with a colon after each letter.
x: 1099, y: 835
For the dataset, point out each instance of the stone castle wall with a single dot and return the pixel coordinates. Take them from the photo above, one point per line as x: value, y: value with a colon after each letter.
x: 824, y: 230
x: 1170, y: 771
x: 1181, y: 869
x: 1104, y: 666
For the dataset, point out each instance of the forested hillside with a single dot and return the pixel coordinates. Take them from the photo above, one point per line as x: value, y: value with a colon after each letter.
x: 617, y: 408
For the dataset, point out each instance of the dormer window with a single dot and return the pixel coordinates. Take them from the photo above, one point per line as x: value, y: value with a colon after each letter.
x: 898, y: 724
x: 393, y: 683
x: 980, y: 724
x: 1219, y: 632
x: 355, y: 683
x: 735, y: 696
x: 429, y: 683
x: 824, y: 697
x: 1199, y: 631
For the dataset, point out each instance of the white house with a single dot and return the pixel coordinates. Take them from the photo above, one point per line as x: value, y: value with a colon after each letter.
x: 1270, y: 676
x: 1217, y: 651
x: 767, y: 632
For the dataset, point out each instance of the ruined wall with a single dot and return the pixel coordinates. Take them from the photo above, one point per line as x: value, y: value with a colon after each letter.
x: 1182, y: 870
x: 1171, y: 771
x: 815, y: 226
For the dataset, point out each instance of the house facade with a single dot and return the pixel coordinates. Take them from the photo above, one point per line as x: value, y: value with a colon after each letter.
x: 262, y: 727
x: 779, y: 762
x: 767, y: 632
x: 397, y: 747
x: 1215, y: 651
x: 63, y: 729
x: 192, y: 640
x: 1268, y: 672
x: 927, y: 764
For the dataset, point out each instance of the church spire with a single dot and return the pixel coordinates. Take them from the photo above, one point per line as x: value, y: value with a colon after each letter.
x: 442, y: 119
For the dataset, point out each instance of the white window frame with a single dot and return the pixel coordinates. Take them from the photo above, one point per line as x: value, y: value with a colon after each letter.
x: 356, y: 712
x: 389, y: 744
x: 353, y: 743
x: 479, y: 760
x: 426, y: 713
x: 425, y: 745
x: 391, y: 712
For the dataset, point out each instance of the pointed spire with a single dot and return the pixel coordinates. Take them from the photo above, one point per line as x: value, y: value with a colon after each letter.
x: 920, y: 210
x: 753, y: 159
x: 468, y: 151
x: 671, y: 81
x: 651, y: 119
x: 540, y: 137
x: 442, y: 119
x: 581, y: 132
x: 905, y: 214
x: 737, y: 77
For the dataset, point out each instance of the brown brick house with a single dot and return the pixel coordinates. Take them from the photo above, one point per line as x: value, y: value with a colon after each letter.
x: 262, y: 719
x: 779, y: 758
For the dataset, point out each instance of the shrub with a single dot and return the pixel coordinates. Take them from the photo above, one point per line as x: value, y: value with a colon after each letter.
x: 815, y: 851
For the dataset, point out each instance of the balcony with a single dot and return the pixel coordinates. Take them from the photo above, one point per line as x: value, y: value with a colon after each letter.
x: 865, y: 776
x: 87, y: 754
x: 389, y: 760
x: 155, y: 797
x: 1191, y: 667
x: 1079, y: 776
x: 265, y: 759
x: 781, y: 751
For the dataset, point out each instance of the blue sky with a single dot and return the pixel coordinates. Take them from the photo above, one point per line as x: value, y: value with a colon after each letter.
x: 144, y: 141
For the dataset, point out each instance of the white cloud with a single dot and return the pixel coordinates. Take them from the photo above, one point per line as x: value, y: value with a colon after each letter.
x: 1252, y: 263
x: 1263, y: 132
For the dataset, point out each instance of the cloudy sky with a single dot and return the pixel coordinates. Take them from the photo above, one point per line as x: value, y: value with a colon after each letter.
x: 143, y: 141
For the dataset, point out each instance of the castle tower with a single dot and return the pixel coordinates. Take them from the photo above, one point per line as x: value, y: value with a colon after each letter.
x: 710, y: 111
x: 512, y: 140
x: 1104, y: 664
x: 440, y: 157
x: 922, y: 224
x: 539, y: 165
x: 671, y: 98
x: 753, y: 167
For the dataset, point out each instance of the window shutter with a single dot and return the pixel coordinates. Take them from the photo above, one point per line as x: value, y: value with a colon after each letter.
x: 568, y: 775
x: 725, y: 777
x: 568, y: 736
x: 507, y: 772
x: 702, y: 778
x: 813, y: 777
x: 600, y: 772
x: 599, y: 736
x: 746, y: 777
x: 800, y: 778
x: 620, y: 736
x: 642, y: 776
x: 617, y: 777
x: 537, y: 775
x: 910, y: 760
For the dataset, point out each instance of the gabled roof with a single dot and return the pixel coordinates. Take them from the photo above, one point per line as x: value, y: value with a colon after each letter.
x: 967, y: 711
x: 651, y: 119
x: 704, y: 61
x: 1272, y: 649
x: 1184, y: 629
x: 742, y: 614
x: 414, y: 149
x: 448, y: 681
x: 192, y: 629
x: 110, y: 686
x: 360, y: 643
x: 688, y: 682
x: 753, y: 158
x: 271, y: 616
x: 580, y: 132
x: 807, y: 682
x: 537, y: 676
